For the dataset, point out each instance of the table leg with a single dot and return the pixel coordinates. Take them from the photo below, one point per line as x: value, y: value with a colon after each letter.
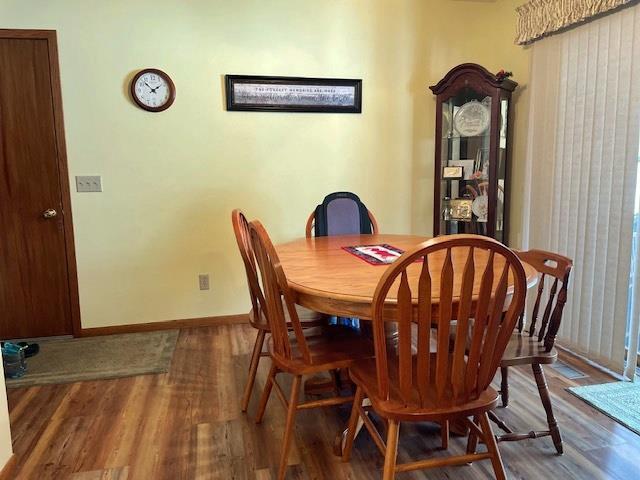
x: 459, y: 427
x: 319, y: 384
x: 391, y: 332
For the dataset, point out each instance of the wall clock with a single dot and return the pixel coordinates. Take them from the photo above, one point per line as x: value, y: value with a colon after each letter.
x: 153, y: 90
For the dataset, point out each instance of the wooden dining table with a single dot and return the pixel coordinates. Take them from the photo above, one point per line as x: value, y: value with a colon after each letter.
x: 326, y: 278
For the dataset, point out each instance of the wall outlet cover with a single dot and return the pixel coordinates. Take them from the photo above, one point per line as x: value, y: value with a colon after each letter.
x: 203, y: 280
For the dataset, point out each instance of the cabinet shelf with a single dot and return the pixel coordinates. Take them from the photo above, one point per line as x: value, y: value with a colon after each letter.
x: 469, y: 180
x: 461, y: 137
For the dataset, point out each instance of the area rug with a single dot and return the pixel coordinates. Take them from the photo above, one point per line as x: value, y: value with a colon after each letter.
x: 67, y: 360
x: 618, y: 400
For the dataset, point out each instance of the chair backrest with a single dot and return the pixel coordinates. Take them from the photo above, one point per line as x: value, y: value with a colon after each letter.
x: 341, y: 213
x: 557, y: 268
x: 277, y: 296
x: 434, y: 294
x: 241, y: 231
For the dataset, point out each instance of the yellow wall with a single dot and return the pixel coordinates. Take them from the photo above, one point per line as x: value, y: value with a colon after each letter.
x: 484, y: 35
x: 5, y: 435
x: 171, y: 179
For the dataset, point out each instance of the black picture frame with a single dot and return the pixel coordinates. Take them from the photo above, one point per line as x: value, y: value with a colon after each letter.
x: 348, y: 100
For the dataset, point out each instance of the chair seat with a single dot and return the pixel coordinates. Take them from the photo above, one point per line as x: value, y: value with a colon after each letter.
x: 429, y: 408
x: 308, y: 318
x: 521, y: 349
x: 525, y: 350
x: 336, y: 347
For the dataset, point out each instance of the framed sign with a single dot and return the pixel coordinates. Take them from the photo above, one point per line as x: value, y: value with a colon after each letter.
x: 452, y: 172
x: 467, y: 167
x: 461, y: 209
x: 293, y: 94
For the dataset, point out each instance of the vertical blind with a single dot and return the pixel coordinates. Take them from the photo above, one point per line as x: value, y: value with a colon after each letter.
x: 581, y: 167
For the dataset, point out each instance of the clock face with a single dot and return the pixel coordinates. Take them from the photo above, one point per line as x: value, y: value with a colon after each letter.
x: 153, y: 90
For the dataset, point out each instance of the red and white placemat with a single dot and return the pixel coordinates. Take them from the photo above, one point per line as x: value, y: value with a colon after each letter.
x: 382, y: 254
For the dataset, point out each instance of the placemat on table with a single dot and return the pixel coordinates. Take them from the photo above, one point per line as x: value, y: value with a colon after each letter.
x: 381, y: 254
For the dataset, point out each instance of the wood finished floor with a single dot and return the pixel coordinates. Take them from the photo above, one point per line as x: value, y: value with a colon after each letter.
x: 187, y: 424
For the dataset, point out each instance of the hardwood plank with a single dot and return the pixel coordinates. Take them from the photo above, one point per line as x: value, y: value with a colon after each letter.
x: 26, y: 428
x: 7, y: 471
x: 109, y: 474
x: 187, y: 424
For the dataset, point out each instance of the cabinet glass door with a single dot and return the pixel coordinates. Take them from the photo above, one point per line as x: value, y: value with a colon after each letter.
x: 464, y: 187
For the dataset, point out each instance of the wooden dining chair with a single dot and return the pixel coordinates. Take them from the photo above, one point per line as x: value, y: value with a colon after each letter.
x: 423, y: 380
x: 536, y: 348
x: 343, y: 212
x: 257, y: 318
x: 297, y: 355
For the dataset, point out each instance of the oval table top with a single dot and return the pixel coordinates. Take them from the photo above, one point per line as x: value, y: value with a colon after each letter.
x: 328, y: 279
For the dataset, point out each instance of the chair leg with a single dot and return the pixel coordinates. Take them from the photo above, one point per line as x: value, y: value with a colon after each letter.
x: 492, y: 447
x: 472, y: 441
x: 353, y: 421
x: 543, y: 390
x: 266, y: 393
x: 504, y: 386
x: 289, y: 427
x: 391, y: 451
x: 253, y: 368
x: 444, y: 434
x: 498, y: 421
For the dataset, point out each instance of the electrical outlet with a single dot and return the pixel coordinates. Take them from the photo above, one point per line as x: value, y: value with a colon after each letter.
x: 89, y: 184
x: 203, y: 279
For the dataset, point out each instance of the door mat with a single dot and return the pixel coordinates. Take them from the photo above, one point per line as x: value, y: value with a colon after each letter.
x: 67, y: 360
x: 618, y: 400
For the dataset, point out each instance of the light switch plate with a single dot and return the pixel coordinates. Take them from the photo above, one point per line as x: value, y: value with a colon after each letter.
x: 89, y: 184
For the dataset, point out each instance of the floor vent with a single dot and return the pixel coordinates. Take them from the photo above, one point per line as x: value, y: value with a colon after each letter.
x: 568, y: 371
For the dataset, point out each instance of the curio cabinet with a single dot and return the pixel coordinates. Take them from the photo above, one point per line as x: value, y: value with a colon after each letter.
x: 472, y: 152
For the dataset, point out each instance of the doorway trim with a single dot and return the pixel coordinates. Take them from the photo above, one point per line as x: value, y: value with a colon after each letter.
x: 63, y: 172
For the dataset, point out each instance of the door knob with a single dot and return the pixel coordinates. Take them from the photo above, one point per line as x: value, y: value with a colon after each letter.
x: 49, y: 213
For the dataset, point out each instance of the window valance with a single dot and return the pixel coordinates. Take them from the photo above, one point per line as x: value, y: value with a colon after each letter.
x: 537, y: 18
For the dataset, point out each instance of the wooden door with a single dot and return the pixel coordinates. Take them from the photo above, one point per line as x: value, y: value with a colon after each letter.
x: 38, y: 290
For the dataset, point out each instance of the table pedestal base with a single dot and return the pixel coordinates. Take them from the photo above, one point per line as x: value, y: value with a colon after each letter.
x: 341, y: 438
